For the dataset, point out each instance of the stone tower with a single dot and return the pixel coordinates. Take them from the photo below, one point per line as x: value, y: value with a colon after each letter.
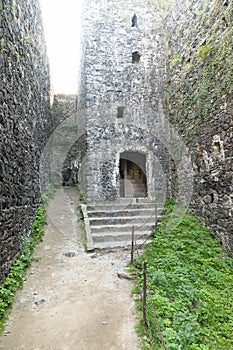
x: 121, y: 113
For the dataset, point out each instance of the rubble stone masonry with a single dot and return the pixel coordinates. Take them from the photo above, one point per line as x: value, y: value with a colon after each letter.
x: 198, y: 94
x: 24, y: 122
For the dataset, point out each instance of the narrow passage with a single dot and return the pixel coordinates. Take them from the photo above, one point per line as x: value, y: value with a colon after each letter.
x: 72, y: 300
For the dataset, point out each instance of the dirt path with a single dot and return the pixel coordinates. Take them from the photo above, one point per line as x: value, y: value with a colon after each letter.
x: 72, y: 300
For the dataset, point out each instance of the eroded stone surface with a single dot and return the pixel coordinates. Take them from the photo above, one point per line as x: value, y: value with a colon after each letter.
x: 198, y: 94
x: 24, y: 122
x: 120, y: 98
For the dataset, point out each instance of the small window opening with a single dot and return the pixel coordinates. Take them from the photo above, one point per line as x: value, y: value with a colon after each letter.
x: 211, y: 197
x: 226, y: 3
x: 136, y: 57
x: 134, y: 21
x: 217, y: 147
x: 120, y: 112
x: 201, y: 150
x: 224, y: 22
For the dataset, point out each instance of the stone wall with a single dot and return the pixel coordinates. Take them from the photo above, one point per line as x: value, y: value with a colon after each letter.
x: 63, y: 107
x: 198, y: 91
x: 120, y: 102
x: 24, y: 122
x: 67, y: 143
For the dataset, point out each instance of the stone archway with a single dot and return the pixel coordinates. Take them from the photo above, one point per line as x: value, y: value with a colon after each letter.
x: 133, y: 179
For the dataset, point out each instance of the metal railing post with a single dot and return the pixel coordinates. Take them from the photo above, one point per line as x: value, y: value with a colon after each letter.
x: 144, y: 292
x: 132, y: 246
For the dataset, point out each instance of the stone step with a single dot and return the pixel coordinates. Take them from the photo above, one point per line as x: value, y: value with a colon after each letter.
x: 139, y: 194
x: 136, y: 182
x: 120, y: 236
x: 120, y: 228
x: 96, y: 221
x: 119, y: 244
x: 139, y: 188
x: 127, y: 212
x: 133, y: 191
x: 122, y: 200
x: 127, y: 204
x: 109, y: 224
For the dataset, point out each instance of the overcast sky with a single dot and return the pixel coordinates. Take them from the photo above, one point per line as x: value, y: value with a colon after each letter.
x: 62, y: 29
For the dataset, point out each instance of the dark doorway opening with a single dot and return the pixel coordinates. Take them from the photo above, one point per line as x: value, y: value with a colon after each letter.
x: 133, y: 182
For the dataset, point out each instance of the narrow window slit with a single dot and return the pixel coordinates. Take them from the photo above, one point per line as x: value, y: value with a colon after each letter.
x: 134, y: 21
x: 120, y: 112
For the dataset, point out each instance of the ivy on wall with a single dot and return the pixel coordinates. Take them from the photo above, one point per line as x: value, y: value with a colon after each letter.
x: 201, y: 84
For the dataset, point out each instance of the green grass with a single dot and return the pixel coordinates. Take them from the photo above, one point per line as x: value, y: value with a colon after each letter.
x: 81, y: 196
x: 17, y: 273
x: 191, y: 282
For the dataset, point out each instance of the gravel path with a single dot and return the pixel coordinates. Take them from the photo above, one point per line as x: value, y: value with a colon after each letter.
x: 72, y: 300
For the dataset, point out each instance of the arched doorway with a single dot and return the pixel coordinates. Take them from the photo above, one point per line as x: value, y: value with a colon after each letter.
x: 133, y: 182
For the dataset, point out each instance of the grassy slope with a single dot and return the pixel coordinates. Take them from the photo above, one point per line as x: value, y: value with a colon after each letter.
x: 191, y: 283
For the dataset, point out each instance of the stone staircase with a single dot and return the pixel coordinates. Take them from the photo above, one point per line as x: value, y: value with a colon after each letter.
x: 135, y: 188
x: 109, y: 224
